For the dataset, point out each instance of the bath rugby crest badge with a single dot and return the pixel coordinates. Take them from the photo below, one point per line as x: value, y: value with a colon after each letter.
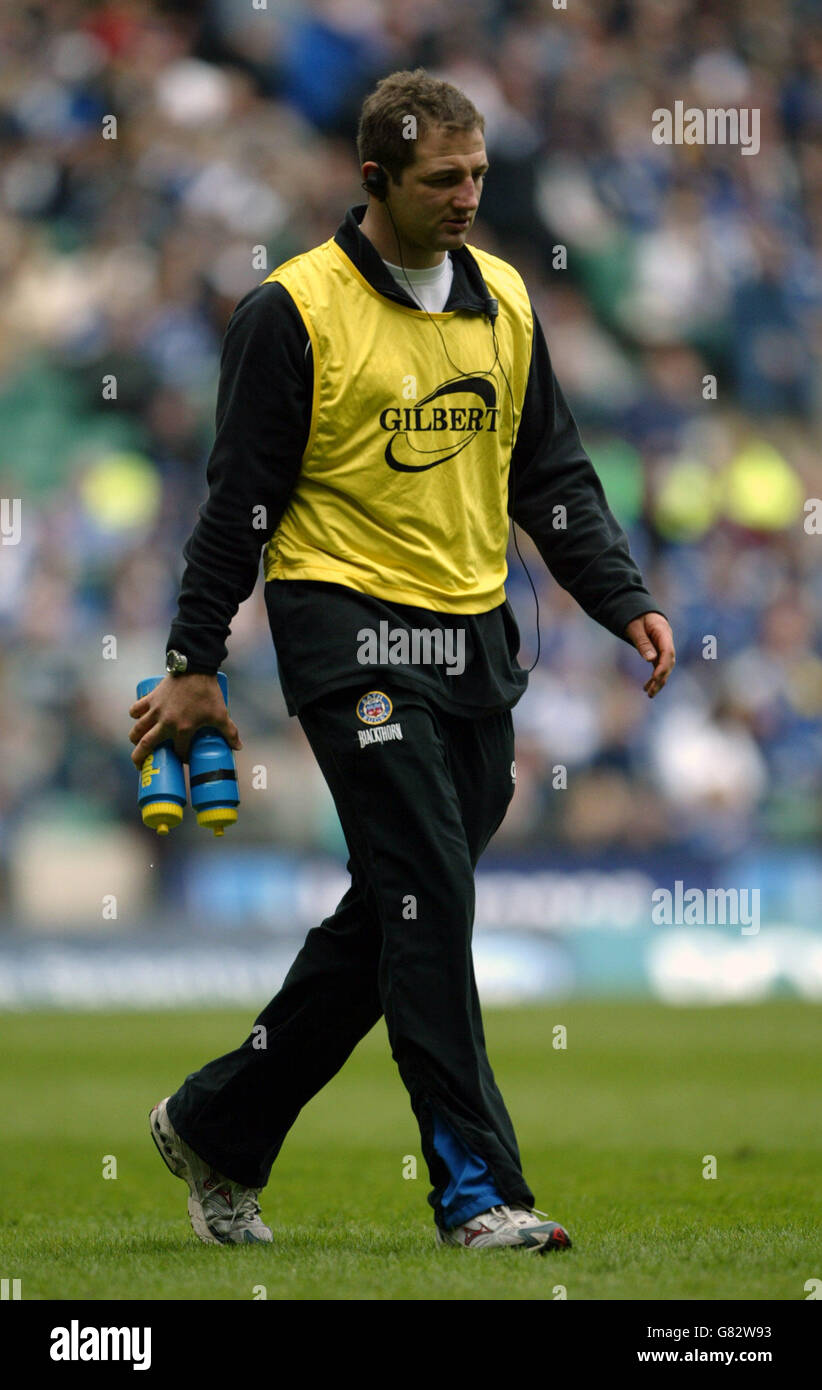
x: 374, y: 708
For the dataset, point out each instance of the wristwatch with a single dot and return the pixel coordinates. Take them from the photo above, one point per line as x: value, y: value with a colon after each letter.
x: 176, y: 663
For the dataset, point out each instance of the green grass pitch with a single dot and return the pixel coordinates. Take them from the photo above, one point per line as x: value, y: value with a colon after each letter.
x: 613, y: 1132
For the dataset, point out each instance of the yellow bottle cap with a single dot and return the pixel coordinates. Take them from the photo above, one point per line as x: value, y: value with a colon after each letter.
x: 162, y: 816
x: 218, y: 817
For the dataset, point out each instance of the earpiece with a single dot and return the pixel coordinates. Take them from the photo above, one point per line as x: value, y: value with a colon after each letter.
x: 377, y: 183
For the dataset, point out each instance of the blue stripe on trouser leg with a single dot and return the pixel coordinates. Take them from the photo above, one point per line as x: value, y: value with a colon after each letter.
x: 471, y: 1189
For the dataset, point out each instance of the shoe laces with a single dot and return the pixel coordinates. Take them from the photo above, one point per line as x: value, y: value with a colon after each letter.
x: 511, y: 1212
x: 243, y: 1203
x: 246, y: 1206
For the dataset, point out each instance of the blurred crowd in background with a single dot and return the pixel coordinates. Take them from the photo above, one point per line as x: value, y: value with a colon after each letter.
x: 235, y: 129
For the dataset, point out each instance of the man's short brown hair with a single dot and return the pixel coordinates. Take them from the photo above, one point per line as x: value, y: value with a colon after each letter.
x: 382, y: 136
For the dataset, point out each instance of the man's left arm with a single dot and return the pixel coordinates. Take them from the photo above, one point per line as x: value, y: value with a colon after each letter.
x: 589, y: 556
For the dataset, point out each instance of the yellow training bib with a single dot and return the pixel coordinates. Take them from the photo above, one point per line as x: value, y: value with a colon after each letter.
x: 403, y: 489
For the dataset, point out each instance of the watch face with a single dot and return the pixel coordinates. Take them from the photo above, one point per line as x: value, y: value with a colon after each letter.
x: 175, y: 662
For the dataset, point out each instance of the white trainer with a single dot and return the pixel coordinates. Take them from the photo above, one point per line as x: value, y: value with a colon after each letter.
x: 222, y: 1212
x: 527, y: 1229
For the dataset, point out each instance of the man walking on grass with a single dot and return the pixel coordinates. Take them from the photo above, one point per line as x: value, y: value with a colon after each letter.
x: 388, y: 400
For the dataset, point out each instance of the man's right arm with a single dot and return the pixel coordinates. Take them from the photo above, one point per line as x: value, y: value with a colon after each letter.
x: 263, y: 421
x: 263, y: 418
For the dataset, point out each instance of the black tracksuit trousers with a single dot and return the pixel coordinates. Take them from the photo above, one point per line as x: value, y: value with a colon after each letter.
x: 417, y: 811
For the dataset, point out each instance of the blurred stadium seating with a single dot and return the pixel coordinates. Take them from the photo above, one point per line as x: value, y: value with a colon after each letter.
x: 235, y: 129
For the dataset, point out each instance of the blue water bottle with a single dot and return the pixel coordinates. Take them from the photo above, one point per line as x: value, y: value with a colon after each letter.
x: 212, y: 778
x: 161, y: 783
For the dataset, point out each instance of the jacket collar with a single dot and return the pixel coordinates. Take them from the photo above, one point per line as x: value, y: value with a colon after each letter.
x: 468, y: 289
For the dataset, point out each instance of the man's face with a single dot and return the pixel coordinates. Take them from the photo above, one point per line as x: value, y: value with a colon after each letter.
x: 436, y: 202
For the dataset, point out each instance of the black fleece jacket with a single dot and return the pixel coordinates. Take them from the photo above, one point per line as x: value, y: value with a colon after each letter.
x: 256, y: 459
